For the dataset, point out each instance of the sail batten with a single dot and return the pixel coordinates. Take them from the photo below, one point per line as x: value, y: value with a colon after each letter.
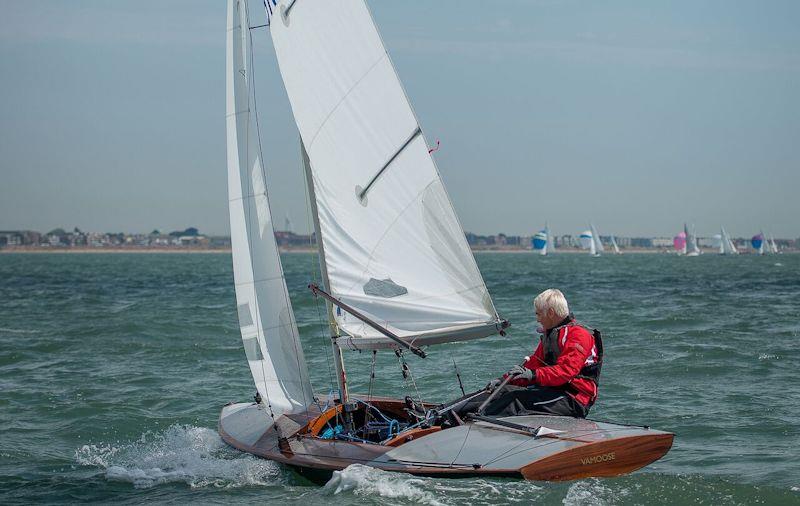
x: 393, y: 246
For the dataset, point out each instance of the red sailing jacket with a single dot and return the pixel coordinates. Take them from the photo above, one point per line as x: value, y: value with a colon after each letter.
x: 577, y: 348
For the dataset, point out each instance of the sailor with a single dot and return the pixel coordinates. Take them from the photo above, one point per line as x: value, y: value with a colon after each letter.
x: 561, y: 376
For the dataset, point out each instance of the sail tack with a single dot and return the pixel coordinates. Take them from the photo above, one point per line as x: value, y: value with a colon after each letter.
x: 267, y: 324
x: 392, y: 245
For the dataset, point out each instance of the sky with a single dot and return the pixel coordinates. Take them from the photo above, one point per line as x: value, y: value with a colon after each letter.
x: 635, y: 115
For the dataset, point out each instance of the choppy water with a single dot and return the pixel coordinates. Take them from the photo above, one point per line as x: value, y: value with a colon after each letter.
x: 113, y: 369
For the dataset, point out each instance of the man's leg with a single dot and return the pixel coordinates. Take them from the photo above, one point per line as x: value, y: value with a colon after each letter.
x: 536, y: 400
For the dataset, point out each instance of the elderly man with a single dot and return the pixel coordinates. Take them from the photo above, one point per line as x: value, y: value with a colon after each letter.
x: 560, y: 377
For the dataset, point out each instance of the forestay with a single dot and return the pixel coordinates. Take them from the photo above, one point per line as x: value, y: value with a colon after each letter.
x: 391, y: 243
x: 266, y: 320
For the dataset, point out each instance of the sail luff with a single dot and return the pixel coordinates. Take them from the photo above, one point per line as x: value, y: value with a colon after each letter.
x: 266, y: 321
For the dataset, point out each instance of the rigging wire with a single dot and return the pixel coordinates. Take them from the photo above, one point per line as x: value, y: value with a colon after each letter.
x: 406, y: 371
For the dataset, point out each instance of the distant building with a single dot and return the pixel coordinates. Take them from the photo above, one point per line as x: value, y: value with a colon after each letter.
x: 19, y: 238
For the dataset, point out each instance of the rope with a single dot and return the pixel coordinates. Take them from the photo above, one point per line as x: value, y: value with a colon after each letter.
x: 371, y: 381
x: 407, y: 373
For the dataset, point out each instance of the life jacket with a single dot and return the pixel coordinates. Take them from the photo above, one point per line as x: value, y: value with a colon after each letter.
x: 551, y: 346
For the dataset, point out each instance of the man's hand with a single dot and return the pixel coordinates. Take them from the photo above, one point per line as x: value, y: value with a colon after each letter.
x: 493, y: 384
x: 521, y: 372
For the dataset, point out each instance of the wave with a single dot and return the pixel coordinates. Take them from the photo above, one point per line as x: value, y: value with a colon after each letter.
x: 380, y: 486
x: 367, y: 481
x: 184, y: 454
x: 592, y: 491
x: 19, y: 331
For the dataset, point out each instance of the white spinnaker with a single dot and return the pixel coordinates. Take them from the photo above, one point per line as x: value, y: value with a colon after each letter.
x: 267, y: 324
x: 392, y: 244
x: 598, y: 246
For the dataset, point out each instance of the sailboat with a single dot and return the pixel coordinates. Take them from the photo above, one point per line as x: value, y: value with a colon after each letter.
x: 614, y: 246
x: 691, y: 242
x: 597, y: 246
x: 772, y: 246
x: 679, y: 243
x: 726, y: 246
x: 757, y: 242
x: 542, y: 241
x: 397, y: 275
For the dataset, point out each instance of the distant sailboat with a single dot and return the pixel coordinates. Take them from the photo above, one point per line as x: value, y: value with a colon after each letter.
x: 726, y: 246
x: 587, y: 242
x: 757, y: 242
x: 691, y: 242
x: 614, y: 246
x: 542, y: 242
x: 772, y: 245
x: 679, y: 243
x: 597, y: 245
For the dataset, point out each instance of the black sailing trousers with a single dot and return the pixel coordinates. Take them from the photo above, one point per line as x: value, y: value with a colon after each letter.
x: 534, y: 400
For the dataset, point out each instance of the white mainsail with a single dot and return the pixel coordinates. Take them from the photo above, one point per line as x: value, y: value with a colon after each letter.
x: 391, y: 244
x: 267, y: 324
x: 726, y: 245
x: 597, y: 246
x: 691, y: 243
x: 772, y: 246
x: 614, y: 246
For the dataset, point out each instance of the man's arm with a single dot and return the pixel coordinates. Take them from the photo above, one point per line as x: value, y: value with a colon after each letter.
x: 534, y: 362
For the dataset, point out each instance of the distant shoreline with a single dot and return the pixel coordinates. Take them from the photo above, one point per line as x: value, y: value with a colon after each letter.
x: 145, y: 250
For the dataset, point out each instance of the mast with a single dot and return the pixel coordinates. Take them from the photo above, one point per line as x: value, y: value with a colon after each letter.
x: 338, y: 360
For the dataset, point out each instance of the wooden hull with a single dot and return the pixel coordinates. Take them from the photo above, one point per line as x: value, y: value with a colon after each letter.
x: 580, y: 449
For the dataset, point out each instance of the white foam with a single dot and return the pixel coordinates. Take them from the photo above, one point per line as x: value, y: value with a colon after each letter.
x: 767, y: 356
x: 193, y: 455
x: 364, y: 481
x: 368, y: 481
x: 591, y: 492
x: 19, y: 331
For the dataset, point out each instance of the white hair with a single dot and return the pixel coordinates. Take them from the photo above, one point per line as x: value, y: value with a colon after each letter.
x: 552, y: 298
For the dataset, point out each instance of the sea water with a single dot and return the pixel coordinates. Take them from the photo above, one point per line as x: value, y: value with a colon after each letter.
x: 114, y: 367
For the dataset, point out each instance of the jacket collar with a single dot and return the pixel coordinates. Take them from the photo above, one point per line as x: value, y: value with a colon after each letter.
x: 566, y: 321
